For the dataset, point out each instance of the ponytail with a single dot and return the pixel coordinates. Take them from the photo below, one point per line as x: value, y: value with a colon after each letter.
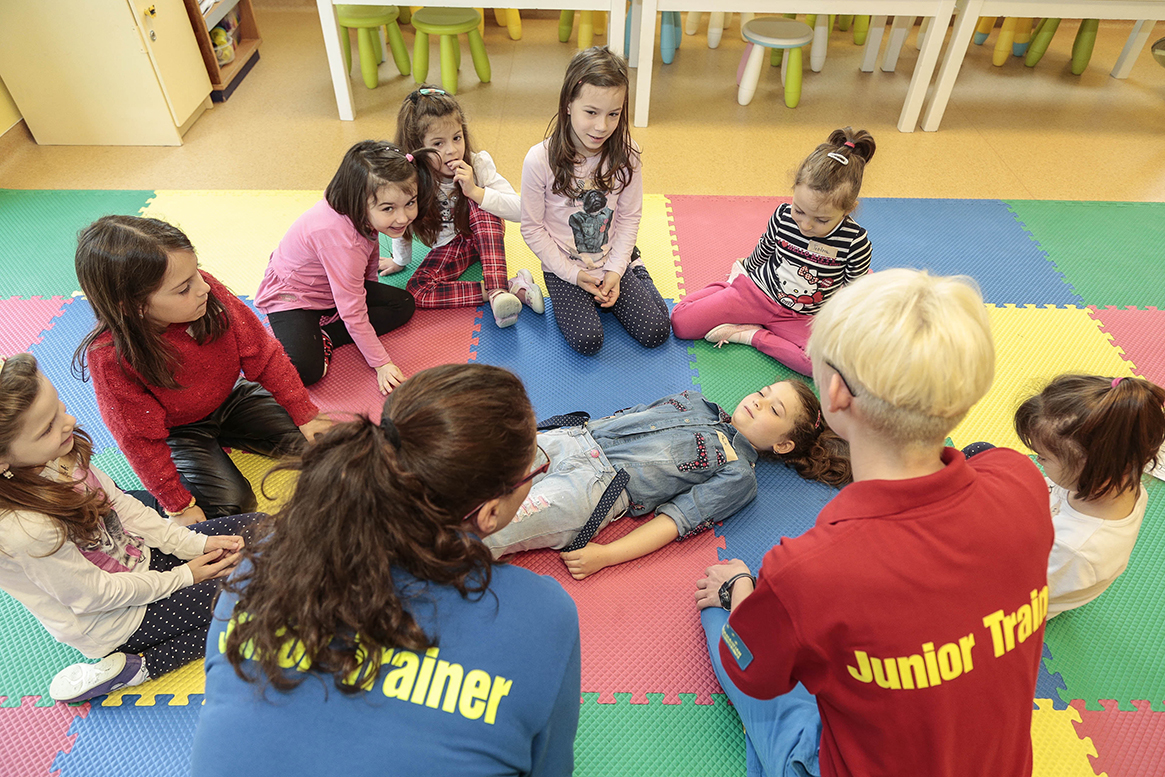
x: 427, y: 224
x: 1106, y: 430
x: 835, y: 168
x: 818, y: 453
x: 373, y: 501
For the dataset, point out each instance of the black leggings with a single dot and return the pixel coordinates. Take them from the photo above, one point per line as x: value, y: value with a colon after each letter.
x: 250, y: 419
x: 300, y: 332
x: 640, y: 309
x: 173, y: 631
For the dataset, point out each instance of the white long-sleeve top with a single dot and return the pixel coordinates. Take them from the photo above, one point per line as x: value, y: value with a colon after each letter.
x: 500, y: 199
x: 93, y: 599
x: 570, y: 235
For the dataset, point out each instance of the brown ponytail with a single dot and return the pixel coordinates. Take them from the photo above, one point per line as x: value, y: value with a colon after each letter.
x: 818, y: 453
x: 1105, y: 429
x: 835, y: 168
x: 372, y: 501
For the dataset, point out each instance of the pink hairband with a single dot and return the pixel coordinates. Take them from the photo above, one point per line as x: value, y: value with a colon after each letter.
x: 850, y: 143
x: 1116, y: 382
x: 409, y: 157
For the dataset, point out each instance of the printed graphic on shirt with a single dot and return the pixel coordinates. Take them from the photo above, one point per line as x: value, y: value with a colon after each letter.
x: 427, y: 680
x: 445, y: 204
x: 800, y: 286
x: 591, y: 225
x: 933, y: 666
x: 736, y: 646
x: 115, y: 549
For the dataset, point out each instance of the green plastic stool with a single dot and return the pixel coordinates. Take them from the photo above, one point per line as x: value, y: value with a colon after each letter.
x: 777, y: 34
x: 367, y: 21
x: 1081, y: 47
x: 448, y: 23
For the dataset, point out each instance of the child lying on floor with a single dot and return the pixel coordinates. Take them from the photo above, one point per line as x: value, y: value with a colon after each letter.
x: 688, y: 461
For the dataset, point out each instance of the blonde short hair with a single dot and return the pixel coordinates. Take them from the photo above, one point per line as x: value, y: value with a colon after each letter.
x: 915, y: 348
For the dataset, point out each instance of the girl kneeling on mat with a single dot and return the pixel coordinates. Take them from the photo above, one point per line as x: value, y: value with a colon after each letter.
x: 686, y: 459
x: 102, y: 572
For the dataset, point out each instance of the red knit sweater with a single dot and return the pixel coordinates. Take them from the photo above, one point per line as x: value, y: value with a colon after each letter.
x: 140, y: 416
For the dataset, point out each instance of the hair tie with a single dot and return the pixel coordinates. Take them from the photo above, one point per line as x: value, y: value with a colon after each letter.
x: 850, y: 143
x: 1115, y: 381
x: 3, y: 361
x: 409, y: 157
x: 390, y: 431
x: 836, y: 156
x: 817, y: 423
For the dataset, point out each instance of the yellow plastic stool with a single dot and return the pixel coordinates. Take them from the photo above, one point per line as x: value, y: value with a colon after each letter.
x: 590, y: 23
x: 447, y: 24
x: 511, y: 19
x: 367, y: 21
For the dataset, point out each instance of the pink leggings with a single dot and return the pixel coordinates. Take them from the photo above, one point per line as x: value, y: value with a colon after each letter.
x: 742, y: 302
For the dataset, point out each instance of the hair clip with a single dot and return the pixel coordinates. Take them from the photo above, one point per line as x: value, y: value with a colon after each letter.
x: 409, y: 157
x: 838, y: 157
x: 3, y: 361
x: 817, y: 423
x: 1115, y: 381
x: 850, y: 143
x: 415, y: 95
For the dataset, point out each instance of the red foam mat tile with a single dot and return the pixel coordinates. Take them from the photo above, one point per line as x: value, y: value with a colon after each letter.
x: 31, y: 736
x: 432, y: 337
x: 22, y: 321
x: 1140, y: 334
x: 639, y: 623
x: 711, y: 232
x: 1128, y: 744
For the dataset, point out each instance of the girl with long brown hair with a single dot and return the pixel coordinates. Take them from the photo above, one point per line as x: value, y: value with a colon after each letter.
x: 582, y: 199
x: 102, y: 572
x: 475, y: 200
x: 371, y: 625
x: 166, y: 357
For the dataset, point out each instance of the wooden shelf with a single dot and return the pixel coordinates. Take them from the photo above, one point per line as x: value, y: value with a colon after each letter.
x: 247, y: 48
x: 223, y: 77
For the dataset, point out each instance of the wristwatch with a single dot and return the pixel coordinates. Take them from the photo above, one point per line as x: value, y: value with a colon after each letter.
x: 726, y: 589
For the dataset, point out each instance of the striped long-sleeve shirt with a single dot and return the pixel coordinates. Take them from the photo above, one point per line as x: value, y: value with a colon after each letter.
x: 801, y: 273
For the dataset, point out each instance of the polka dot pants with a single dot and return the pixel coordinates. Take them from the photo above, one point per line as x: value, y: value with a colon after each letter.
x: 640, y: 309
x: 173, y: 631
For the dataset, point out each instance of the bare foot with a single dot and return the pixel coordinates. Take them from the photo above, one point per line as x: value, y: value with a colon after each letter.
x: 586, y: 561
x: 732, y: 333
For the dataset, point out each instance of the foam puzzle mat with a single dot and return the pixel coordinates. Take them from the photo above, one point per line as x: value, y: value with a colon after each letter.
x: 1070, y: 286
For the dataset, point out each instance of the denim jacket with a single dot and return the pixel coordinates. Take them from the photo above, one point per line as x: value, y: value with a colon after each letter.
x: 685, y: 458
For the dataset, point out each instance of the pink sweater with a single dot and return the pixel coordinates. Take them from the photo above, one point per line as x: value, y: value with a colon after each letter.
x: 567, y: 235
x: 140, y: 416
x: 322, y: 263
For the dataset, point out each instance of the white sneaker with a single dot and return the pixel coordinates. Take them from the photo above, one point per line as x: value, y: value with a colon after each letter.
x: 505, y: 307
x: 736, y: 271
x: 524, y: 288
x: 80, y: 682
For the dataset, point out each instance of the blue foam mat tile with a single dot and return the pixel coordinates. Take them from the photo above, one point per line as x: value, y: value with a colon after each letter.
x: 622, y: 374
x: 785, y: 506
x: 1048, y: 685
x: 131, y: 741
x: 54, y: 354
x: 980, y: 238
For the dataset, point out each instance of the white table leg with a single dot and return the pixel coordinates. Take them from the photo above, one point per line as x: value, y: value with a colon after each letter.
x: 820, y: 43
x: 873, y: 43
x: 1133, y: 46
x: 965, y: 21
x: 331, y: 30
x: 898, y: 32
x: 648, y: 10
x: 616, y: 23
x: 636, y: 24
x: 923, y: 70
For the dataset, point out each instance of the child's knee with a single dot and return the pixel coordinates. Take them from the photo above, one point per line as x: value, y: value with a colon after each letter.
x: 655, y: 335
x: 586, y: 341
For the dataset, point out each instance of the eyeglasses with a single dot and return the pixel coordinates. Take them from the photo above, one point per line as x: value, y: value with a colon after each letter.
x: 540, y: 466
x: 848, y: 387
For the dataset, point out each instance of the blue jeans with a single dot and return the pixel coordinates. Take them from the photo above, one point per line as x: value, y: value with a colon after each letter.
x: 783, y: 735
x: 562, y: 499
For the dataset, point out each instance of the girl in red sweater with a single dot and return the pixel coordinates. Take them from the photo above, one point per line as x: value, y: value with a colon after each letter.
x: 166, y: 357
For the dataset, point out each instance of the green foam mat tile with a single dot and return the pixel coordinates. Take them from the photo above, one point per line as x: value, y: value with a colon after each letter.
x: 112, y: 462
x: 658, y: 739
x: 38, y: 235
x: 1110, y: 252
x: 29, y: 656
x: 420, y: 251
x: 1114, y: 647
x: 727, y: 375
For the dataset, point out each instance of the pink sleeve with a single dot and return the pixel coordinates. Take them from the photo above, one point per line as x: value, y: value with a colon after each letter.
x: 537, y: 180
x: 625, y: 229
x: 346, y: 267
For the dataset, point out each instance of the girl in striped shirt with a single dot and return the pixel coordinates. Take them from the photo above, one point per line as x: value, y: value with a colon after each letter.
x: 810, y: 249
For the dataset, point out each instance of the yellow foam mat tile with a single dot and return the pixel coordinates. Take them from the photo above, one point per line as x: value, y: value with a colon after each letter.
x: 655, y: 245
x: 181, y: 684
x: 1033, y: 345
x: 254, y: 469
x: 234, y: 232
x: 1056, y: 749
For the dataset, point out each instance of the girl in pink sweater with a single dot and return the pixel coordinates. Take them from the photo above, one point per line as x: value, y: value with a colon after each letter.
x: 321, y: 288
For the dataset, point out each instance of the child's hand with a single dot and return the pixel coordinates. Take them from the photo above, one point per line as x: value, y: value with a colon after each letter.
x: 231, y: 543
x: 388, y: 266
x: 589, y: 284
x: 586, y: 561
x: 609, y: 290
x: 317, y: 425
x: 189, y: 516
x: 388, y: 377
x: 463, y: 175
x: 217, y: 563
